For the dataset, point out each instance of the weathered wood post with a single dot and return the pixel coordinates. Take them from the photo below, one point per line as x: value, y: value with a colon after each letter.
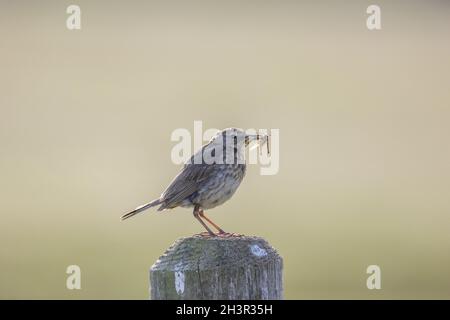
x: 228, y: 268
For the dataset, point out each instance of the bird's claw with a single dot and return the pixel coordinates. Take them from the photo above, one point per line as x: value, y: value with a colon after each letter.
x: 222, y: 234
x: 228, y: 234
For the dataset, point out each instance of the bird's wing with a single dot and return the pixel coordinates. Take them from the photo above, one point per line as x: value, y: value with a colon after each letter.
x: 185, y: 183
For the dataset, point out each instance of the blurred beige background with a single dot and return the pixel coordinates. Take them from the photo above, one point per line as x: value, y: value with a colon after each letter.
x: 86, y: 118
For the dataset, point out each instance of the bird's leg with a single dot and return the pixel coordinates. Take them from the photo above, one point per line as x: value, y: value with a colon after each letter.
x: 202, y: 214
x: 197, y: 216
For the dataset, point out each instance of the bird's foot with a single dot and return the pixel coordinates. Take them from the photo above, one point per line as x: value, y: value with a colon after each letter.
x: 222, y: 234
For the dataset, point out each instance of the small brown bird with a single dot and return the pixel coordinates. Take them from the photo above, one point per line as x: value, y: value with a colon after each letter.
x: 209, y: 178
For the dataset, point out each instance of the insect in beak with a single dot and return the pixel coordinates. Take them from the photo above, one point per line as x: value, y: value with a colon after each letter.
x: 261, y: 140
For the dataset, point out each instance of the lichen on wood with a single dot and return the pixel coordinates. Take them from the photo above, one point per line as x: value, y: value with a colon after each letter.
x: 230, y: 268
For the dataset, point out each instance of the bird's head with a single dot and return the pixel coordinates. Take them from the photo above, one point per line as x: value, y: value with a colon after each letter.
x: 239, y: 137
x: 228, y: 146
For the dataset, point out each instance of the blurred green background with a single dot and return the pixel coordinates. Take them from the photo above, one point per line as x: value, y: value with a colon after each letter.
x: 86, y: 118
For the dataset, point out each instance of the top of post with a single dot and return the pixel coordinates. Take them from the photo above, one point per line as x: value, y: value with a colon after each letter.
x: 201, y: 253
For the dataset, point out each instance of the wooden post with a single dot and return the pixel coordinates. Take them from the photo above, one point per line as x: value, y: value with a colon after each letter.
x: 232, y: 268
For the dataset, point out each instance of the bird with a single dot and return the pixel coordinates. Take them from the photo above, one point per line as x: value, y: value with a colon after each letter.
x: 209, y: 178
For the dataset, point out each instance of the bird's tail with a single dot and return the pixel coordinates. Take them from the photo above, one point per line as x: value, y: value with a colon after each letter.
x: 141, y: 208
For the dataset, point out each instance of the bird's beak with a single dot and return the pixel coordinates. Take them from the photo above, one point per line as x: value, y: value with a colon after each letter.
x: 250, y: 138
x: 261, y: 140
